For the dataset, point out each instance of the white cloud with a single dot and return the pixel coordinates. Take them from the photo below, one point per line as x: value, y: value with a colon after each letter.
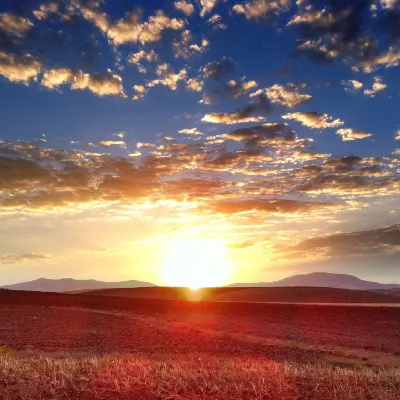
x: 377, y: 86
x: 167, y: 77
x: 109, y: 143
x: 352, y: 85
x: 230, y: 118
x: 45, y: 10
x: 351, y: 134
x: 191, y: 131
x: 397, y: 137
x: 54, y: 78
x: 140, y: 91
x: 262, y: 8
x: 14, y: 24
x: 184, y: 6
x: 314, y: 120
x: 207, y: 6
x: 183, y: 47
x: 194, y: 85
x: 288, y: 95
x: 19, y: 68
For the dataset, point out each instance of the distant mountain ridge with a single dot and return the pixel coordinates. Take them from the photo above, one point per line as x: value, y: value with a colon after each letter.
x: 323, y: 279
x: 69, y: 284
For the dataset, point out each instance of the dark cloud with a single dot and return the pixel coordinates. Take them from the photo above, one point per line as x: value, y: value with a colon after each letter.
x: 217, y: 70
x: 381, y: 240
x: 276, y: 206
x: 353, y: 31
x: 254, y: 112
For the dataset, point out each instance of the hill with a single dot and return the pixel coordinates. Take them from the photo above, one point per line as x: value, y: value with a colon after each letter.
x: 323, y: 279
x: 257, y: 294
x: 69, y: 284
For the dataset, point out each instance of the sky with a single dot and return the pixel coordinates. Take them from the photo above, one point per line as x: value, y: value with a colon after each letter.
x: 199, y: 142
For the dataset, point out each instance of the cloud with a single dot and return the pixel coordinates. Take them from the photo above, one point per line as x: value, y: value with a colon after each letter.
x: 377, y: 86
x: 191, y: 131
x: 167, y: 77
x: 273, y: 206
x: 14, y: 24
x: 288, y: 95
x: 109, y: 143
x: 351, y: 134
x: 397, y: 137
x: 136, y: 58
x: 207, y: 6
x: 257, y: 9
x: 267, y: 133
x: 45, y: 10
x: 233, y: 89
x: 184, y: 6
x: 14, y: 259
x: 183, y: 47
x: 19, y: 68
x: 254, y: 112
x: 129, y: 29
x: 342, y: 29
x: 140, y: 91
x: 54, y: 78
x: 383, y: 240
x: 217, y: 70
x: 194, y: 85
x: 101, y: 85
x: 352, y: 85
x: 314, y: 120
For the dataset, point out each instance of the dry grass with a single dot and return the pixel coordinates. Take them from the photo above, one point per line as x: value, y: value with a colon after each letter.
x: 132, y: 377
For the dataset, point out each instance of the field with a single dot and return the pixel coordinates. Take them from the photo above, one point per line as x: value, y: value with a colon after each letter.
x: 57, y: 346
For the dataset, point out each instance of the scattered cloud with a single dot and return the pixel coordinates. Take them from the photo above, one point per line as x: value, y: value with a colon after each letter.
x: 351, y: 134
x: 217, y: 70
x: 254, y: 112
x: 184, y: 48
x: 288, y: 95
x: 101, y: 85
x: 140, y: 92
x: 195, y: 85
x: 377, y: 86
x: 109, y: 143
x: 397, y: 137
x: 314, y: 120
x: 26, y: 257
x: 20, y: 69
x: 258, y: 9
x: 352, y: 85
x: 207, y: 6
x: 191, y: 131
x: 45, y: 10
x: 184, y: 6
x: 167, y: 77
x: 14, y: 24
x: 137, y: 58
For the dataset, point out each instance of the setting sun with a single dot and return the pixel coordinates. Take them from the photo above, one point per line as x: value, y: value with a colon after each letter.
x: 196, y: 263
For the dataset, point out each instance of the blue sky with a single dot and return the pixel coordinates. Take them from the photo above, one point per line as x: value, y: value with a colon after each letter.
x: 241, y: 106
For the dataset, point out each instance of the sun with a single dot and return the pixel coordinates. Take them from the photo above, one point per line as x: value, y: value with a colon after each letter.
x: 196, y: 263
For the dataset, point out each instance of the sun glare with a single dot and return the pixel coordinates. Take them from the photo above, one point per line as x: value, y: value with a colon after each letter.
x: 196, y: 263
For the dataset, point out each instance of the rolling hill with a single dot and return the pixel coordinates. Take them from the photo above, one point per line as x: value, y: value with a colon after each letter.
x: 252, y: 294
x: 68, y: 284
x: 323, y: 279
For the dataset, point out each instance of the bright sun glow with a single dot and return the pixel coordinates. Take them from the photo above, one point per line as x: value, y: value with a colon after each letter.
x: 196, y: 263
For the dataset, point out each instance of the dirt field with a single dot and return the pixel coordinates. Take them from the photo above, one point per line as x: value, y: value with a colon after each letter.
x: 55, y: 322
x: 58, y: 346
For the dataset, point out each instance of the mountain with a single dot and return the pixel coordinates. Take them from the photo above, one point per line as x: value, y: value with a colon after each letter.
x: 68, y: 284
x: 323, y: 279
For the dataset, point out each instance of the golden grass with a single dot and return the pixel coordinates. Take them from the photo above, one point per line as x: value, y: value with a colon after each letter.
x: 132, y: 377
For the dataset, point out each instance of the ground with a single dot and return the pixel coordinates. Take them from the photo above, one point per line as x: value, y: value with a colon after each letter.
x: 156, y: 349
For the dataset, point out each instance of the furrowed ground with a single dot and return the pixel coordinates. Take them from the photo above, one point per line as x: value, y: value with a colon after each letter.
x: 66, y: 346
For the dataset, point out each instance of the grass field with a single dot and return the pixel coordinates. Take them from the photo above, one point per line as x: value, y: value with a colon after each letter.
x: 129, y: 377
x: 57, y: 346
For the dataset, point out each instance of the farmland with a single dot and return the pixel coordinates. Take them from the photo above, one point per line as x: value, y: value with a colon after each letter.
x: 92, y: 344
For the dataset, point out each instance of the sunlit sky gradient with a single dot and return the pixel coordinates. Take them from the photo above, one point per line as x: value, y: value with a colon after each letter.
x: 259, y: 138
